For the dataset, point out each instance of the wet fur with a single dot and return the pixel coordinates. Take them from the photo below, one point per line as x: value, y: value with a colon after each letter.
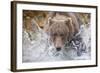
x: 61, y: 27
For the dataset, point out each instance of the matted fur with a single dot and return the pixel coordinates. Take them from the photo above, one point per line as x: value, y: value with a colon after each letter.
x: 61, y: 28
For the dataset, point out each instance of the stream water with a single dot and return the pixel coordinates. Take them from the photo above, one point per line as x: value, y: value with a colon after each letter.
x: 39, y: 49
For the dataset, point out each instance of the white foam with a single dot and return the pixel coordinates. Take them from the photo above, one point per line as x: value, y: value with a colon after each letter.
x: 41, y: 50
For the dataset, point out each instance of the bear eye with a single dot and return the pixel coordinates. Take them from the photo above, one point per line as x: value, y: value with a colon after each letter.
x: 61, y: 34
x: 55, y: 34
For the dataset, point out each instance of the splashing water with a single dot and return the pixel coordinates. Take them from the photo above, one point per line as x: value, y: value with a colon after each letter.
x: 39, y: 49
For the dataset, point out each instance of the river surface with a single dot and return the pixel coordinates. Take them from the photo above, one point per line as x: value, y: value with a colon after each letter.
x: 39, y: 49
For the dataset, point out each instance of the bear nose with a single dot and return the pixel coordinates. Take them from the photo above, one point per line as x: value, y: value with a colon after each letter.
x: 58, y: 49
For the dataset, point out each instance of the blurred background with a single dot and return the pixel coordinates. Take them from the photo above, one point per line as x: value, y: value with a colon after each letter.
x: 41, y: 17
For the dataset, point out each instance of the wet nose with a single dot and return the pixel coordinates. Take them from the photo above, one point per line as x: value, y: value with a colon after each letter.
x: 58, y: 49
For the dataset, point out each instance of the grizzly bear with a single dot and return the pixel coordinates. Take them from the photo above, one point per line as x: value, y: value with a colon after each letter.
x: 61, y: 28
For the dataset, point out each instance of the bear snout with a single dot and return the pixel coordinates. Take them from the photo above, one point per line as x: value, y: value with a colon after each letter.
x: 58, y: 43
x: 58, y: 48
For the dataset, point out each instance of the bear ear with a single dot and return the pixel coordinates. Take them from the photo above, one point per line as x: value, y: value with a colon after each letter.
x: 50, y: 21
x: 68, y: 21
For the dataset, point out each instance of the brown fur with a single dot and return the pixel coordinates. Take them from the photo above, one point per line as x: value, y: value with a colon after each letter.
x: 61, y: 28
